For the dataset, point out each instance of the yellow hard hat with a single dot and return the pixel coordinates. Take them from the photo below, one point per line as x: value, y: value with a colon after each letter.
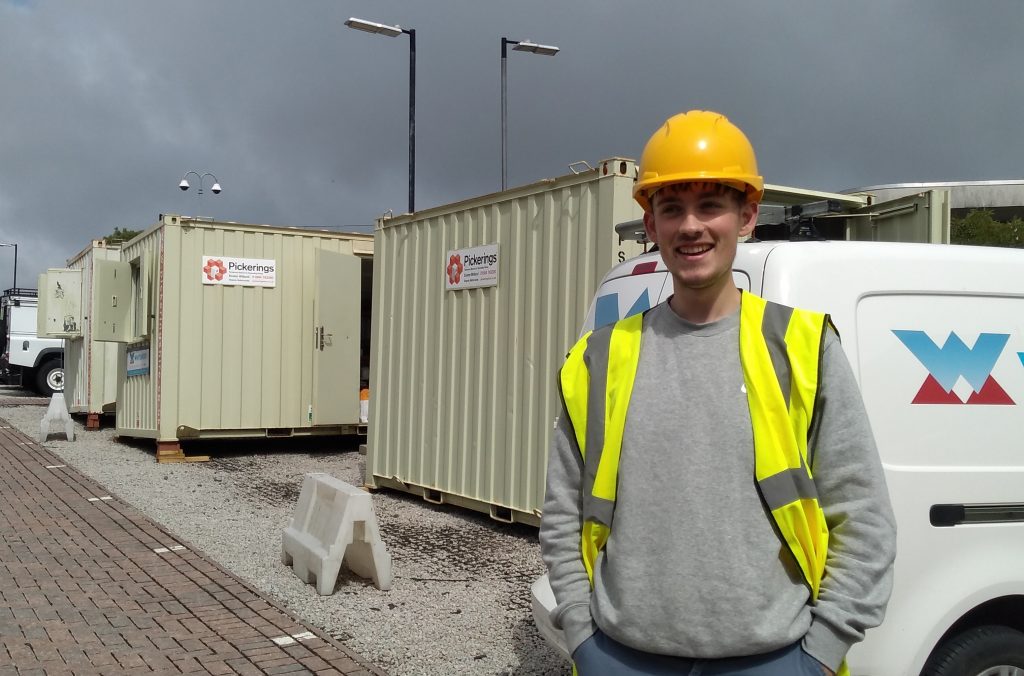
x: 697, y: 146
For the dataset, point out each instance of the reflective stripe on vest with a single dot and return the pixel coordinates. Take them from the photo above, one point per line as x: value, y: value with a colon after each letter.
x: 780, y: 354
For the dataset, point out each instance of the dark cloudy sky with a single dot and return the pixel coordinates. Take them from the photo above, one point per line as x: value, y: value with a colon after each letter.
x: 105, y: 104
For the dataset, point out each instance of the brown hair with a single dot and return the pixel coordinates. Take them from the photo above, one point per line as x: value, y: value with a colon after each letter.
x: 716, y: 187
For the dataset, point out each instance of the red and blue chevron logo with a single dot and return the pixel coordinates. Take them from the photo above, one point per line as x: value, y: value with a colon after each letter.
x: 958, y: 374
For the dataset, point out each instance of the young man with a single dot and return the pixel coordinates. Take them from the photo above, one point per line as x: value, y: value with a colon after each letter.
x: 715, y: 502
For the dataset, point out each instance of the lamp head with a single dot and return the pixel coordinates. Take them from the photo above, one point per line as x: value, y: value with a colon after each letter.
x: 215, y: 188
x: 184, y: 184
x: 373, y: 27
x: 534, y: 48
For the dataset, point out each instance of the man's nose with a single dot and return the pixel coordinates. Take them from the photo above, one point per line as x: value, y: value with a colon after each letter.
x: 690, y: 225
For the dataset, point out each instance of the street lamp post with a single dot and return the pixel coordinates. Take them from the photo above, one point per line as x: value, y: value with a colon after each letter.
x: 15, y: 261
x: 518, y: 46
x: 215, y: 188
x: 394, y: 31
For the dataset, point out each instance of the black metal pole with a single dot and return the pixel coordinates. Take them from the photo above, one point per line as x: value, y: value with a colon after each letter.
x: 504, y: 113
x: 412, y: 119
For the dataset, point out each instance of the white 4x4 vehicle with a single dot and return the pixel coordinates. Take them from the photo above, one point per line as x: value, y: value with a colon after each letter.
x: 32, y: 362
x: 935, y: 336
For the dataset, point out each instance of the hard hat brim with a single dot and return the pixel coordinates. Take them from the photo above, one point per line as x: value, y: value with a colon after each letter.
x: 751, y: 186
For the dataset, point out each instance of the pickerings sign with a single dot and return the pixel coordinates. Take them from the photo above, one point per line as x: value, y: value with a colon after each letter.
x: 471, y: 268
x: 224, y: 271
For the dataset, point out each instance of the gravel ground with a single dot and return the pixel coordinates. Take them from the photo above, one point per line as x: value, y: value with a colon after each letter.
x: 460, y: 602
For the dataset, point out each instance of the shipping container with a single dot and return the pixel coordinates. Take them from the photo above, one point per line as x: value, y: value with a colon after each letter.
x: 475, y: 305
x: 90, y: 366
x: 235, y: 330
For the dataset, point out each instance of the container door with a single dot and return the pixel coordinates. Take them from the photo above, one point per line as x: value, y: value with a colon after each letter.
x: 111, y: 312
x: 60, y: 304
x: 336, y: 309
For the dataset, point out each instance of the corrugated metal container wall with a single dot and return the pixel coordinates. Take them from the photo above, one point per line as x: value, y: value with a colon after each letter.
x: 226, y: 358
x: 90, y: 366
x: 463, y: 381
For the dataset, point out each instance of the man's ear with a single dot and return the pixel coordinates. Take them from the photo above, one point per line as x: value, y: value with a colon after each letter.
x: 749, y: 214
x: 649, y: 227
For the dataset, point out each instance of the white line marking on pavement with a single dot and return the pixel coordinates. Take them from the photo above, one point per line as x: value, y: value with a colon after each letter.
x: 288, y: 640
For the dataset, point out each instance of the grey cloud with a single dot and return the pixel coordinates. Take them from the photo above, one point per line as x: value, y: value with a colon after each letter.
x: 303, y: 121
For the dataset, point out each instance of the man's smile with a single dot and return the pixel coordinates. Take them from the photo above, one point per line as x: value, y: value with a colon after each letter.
x: 693, y: 250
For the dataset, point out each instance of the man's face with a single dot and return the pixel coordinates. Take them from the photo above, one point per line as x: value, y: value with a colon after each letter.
x: 696, y: 227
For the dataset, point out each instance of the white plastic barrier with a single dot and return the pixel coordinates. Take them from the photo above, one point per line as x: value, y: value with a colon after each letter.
x: 56, y: 412
x: 334, y: 522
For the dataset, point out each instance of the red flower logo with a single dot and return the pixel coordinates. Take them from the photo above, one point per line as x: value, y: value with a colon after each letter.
x: 214, y: 269
x: 454, y: 269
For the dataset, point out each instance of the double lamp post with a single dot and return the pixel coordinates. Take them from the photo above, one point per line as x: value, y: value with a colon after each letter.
x: 215, y: 188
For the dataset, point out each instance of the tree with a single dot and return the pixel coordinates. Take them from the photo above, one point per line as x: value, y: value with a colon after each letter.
x: 121, y: 235
x: 980, y: 228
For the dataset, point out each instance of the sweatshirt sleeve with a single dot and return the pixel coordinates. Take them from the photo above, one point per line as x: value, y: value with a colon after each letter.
x: 560, y: 529
x: 862, y: 529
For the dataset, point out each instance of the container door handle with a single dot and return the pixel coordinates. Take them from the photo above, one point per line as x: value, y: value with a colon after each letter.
x: 321, y: 339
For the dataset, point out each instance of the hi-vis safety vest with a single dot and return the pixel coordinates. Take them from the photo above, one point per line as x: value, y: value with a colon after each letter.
x: 780, y: 353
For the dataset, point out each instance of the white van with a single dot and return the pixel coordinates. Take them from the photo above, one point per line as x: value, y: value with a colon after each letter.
x: 935, y: 336
x: 25, y: 358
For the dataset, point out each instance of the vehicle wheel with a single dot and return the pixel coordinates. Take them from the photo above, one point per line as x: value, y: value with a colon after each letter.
x: 983, y: 651
x: 50, y: 378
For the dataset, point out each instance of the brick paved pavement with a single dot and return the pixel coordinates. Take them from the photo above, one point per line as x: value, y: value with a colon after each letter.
x: 82, y: 590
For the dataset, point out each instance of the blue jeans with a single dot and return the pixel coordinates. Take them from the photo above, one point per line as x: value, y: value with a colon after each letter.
x: 602, y: 656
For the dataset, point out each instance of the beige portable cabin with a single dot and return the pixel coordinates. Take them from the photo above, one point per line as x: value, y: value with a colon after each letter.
x: 475, y: 306
x: 90, y: 366
x: 235, y: 330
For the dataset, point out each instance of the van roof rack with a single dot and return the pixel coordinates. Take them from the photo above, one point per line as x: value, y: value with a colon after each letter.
x: 31, y: 293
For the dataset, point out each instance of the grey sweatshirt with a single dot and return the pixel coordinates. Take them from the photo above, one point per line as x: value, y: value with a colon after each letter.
x: 694, y: 567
